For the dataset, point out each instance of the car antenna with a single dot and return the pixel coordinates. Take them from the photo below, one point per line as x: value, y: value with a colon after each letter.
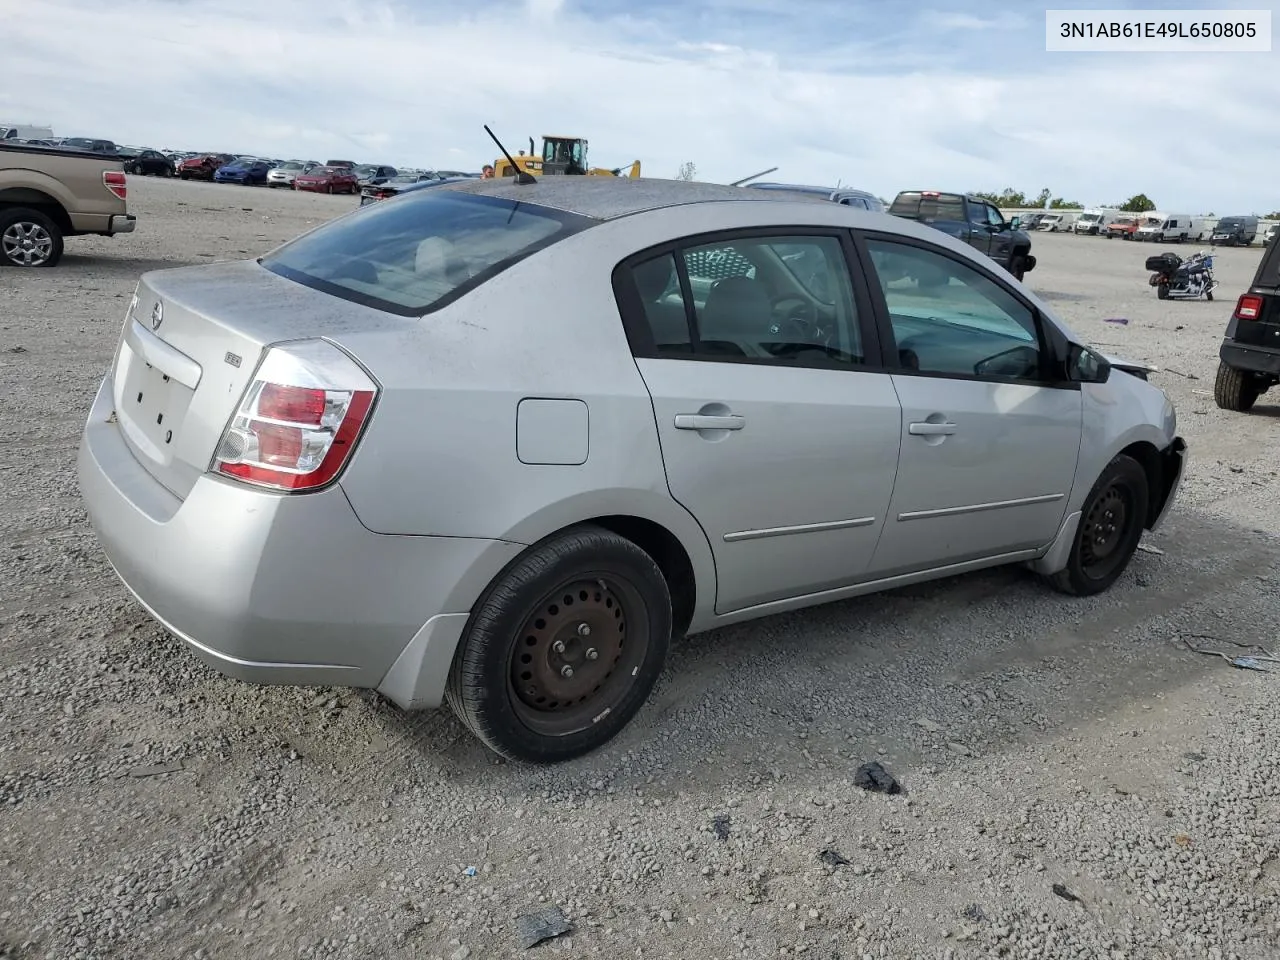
x: 738, y: 183
x: 522, y: 176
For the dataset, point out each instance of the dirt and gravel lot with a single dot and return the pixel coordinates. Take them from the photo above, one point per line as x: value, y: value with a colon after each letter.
x: 150, y: 808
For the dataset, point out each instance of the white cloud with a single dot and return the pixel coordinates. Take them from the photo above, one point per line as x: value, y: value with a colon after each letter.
x: 374, y: 81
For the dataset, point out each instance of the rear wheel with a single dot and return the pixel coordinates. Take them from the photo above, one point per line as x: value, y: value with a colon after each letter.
x: 1234, y: 389
x: 564, y: 648
x: 28, y: 238
x: 1162, y: 291
x: 1111, y: 524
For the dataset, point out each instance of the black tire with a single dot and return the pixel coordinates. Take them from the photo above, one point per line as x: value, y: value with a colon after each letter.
x: 1234, y: 389
x: 1111, y: 524
x: 19, y: 225
x: 1208, y: 295
x: 1018, y: 266
x: 1162, y: 291
x: 510, y: 663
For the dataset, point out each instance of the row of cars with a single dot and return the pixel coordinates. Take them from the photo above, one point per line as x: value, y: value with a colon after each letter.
x: 1153, y: 226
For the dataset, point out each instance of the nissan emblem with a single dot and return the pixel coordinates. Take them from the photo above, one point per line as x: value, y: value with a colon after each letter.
x: 157, y: 315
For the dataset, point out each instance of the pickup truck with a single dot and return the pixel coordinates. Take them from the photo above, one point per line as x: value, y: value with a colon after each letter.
x: 49, y: 193
x: 972, y: 220
x: 1123, y: 227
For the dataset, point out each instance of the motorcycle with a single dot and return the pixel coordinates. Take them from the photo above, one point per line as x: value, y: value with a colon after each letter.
x: 1178, y: 279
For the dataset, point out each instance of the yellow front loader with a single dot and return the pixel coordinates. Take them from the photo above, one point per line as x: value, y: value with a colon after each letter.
x: 560, y: 155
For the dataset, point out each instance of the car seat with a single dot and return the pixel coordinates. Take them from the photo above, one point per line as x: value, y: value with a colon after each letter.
x: 738, y: 308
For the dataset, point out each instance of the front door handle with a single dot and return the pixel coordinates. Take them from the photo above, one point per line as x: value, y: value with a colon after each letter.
x: 927, y: 429
x: 702, y: 421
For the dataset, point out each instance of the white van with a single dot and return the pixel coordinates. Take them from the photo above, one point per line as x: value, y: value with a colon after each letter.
x: 24, y: 131
x: 1170, y: 228
x: 1095, y: 220
x: 1057, y: 221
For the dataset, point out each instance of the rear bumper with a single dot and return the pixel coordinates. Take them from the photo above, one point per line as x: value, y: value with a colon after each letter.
x: 283, y: 589
x: 1251, y: 358
x: 125, y: 223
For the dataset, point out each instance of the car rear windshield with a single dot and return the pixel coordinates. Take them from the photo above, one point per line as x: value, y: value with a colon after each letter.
x: 1268, y: 274
x: 421, y: 251
x: 924, y: 206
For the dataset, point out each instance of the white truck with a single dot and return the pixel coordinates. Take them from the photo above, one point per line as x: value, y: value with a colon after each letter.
x: 1170, y: 228
x: 1095, y: 220
x: 1057, y: 221
x: 24, y: 131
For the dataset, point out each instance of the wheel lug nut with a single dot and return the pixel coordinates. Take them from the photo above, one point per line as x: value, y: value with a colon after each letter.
x: 591, y: 653
x: 584, y: 630
x: 558, y: 646
x: 566, y: 671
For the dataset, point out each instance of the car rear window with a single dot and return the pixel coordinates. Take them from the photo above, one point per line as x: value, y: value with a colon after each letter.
x: 421, y: 251
x: 1268, y: 274
x: 921, y: 206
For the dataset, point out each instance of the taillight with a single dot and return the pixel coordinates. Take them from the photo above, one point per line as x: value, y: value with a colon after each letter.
x: 1248, y: 307
x: 114, y: 181
x: 299, y: 419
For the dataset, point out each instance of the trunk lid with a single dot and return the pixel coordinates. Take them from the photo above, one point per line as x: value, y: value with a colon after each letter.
x: 192, y: 340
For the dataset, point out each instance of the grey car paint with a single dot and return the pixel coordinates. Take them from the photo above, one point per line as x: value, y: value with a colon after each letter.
x: 518, y: 410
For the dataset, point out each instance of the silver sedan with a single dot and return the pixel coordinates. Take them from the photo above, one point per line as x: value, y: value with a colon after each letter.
x: 495, y: 444
x: 286, y: 173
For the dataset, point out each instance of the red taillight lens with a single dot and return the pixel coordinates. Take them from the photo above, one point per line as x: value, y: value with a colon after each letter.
x: 299, y: 420
x: 1249, y: 307
x: 114, y: 181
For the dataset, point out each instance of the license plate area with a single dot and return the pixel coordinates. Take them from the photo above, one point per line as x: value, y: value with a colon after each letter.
x: 151, y: 406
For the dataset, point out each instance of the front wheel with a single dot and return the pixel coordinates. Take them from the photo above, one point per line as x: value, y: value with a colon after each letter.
x: 1111, y: 524
x: 1018, y: 266
x: 1234, y: 389
x: 564, y: 648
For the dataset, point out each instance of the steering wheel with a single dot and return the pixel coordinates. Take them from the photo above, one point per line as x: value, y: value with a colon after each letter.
x: 800, y: 318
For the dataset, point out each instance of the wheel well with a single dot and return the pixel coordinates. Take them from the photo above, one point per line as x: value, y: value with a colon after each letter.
x: 36, y: 200
x: 1153, y: 466
x: 668, y: 554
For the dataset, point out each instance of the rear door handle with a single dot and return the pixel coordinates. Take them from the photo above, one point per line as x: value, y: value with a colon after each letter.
x: 927, y: 429
x: 702, y: 421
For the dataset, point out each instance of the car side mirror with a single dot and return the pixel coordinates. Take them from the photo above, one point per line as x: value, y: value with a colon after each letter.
x: 1087, y: 366
x: 1015, y: 223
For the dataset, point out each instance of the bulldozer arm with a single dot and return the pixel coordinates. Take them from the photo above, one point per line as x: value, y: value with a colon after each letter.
x: 633, y: 171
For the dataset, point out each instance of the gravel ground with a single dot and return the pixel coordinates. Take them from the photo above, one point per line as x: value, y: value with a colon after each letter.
x: 149, y: 807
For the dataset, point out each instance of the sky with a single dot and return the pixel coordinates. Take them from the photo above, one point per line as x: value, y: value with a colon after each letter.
x: 878, y: 95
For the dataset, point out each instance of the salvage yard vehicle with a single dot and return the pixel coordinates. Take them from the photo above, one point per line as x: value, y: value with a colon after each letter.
x: 1124, y: 227
x: 1178, y: 279
x: 1249, y: 357
x: 202, y: 167
x: 48, y: 194
x: 246, y: 171
x: 1170, y: 228
x: 1095, y: 221
x: 860, y: 199
x: 405, y: 183
x: 1234, y: 231
x: 559, y: 156
x: 327, y: 179
x: 149, y: 163
x: 517, y: 517
x: 284, y: 175
x: 1057, y: 222
x: 973, y: 221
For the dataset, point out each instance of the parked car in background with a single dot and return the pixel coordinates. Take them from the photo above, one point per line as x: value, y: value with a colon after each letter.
x: 247, y: 172
x: 397, y: 186
x: 1057, y: 221
x: 1124, y: 226
x: 351, y: 164
x: 150, y: 163
x: 1234, y: 231
x: 202, y: 167
x: 602, y: 494
x: 1271, y: 233
x: 1029, y: 221
x: 90, y: 144
x: 1095, y: 221
x: 283, y: 175
x: 971, y: 220
x: 371, y: 174
x: 48, y: 194
x: 327, y: 179
x: 846, y: 196
x: 1249, y: 357
x: 1170, y: 228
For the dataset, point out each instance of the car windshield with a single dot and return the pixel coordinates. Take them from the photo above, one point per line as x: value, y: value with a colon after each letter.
x: 1229, y: 223
x: 367, y: 170
x: 292, y: 166
x: 1090, y: 216
x: 421, y: 252
x: 324, y: 171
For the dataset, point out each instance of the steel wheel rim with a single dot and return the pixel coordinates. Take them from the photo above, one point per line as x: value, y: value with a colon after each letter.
x: 1104, y: 532
x: 26, y: 243
x: 602, y: 661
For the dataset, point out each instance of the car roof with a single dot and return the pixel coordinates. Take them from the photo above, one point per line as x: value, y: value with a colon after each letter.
x: 607, y: 198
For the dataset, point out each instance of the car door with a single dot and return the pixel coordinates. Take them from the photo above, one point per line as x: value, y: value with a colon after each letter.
x: 990, y: 431
x: 1000, y: 235
x: 979, y: 233
x: 779, y: 428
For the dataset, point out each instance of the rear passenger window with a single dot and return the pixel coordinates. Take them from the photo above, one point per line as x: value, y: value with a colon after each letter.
x: 785, y: 300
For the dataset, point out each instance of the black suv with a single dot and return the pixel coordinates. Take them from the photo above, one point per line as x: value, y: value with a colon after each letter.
x: 1250, y: 352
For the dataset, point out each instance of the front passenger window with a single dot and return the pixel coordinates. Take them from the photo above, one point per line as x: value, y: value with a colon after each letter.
x: 950, y: 319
